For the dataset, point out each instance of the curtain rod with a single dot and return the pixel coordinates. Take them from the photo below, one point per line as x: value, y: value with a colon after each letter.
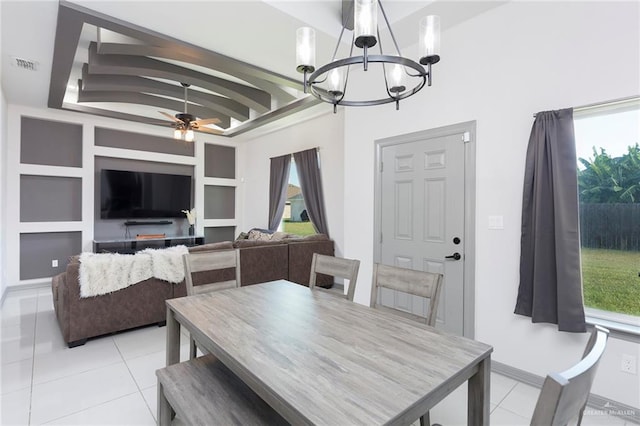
x: 602, y: 104
x: 317, y: 148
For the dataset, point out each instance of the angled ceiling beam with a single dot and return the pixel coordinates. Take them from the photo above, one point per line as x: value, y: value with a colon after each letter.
x: 224, y: 64
x: 282, y: 112
x: 114, y: 114
x: 155, y: 101
x: 69, y: 27
x: 126, y: 83
x: 131, y: 65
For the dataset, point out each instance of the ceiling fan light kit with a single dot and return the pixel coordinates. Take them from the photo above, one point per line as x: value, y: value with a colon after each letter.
x: 328, y: 83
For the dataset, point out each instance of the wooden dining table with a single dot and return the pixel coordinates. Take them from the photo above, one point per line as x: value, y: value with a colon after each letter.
x: 317, y: 358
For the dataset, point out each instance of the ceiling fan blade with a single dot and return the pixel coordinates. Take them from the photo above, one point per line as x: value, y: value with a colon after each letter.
x: 206, y: 121
x: 171, y: 117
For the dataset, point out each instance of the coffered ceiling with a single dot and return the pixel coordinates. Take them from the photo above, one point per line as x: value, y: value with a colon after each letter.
x: 127, y: 59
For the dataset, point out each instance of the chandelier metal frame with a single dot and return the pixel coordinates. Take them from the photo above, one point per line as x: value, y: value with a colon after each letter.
x: 314, y: 77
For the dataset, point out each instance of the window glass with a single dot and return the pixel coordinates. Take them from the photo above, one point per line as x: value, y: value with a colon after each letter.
x: 295, y: 219
x: 608, y: 152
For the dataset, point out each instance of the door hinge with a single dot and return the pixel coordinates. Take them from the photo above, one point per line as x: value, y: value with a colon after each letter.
x: 381, y: 238
x: 381, y: 166
x: 466, y: 137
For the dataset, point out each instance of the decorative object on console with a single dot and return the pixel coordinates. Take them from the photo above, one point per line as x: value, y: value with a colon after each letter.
x: 191, y: 217
x: 329, y: 82
x: 150, y: 236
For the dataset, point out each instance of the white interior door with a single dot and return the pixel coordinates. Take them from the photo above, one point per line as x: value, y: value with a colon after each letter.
x: 422, y: 219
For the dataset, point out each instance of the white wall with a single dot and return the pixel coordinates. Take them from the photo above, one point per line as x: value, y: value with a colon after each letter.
x: 325, y: 132
x: 3, y: 181
x: 498, y: 69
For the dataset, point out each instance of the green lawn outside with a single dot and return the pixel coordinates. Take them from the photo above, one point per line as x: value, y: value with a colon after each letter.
x: 610, y: 280
x: 298, y: 228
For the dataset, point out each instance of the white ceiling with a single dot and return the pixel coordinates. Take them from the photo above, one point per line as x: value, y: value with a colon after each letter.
x: 261, y: 33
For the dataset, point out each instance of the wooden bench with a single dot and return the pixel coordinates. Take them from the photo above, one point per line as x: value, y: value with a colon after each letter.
x: 202, y: 391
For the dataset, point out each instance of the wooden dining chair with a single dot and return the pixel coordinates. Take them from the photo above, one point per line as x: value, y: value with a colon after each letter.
x: 417, y: 283
x: 336, y: 267
x: 563, y: 397
x: 210, y: 271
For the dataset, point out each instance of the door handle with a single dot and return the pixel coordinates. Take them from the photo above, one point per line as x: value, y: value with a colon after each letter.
x: 454, y: 256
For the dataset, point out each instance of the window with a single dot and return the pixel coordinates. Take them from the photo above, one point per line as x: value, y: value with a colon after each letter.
x: 295, y: 219
x: 608, y: 152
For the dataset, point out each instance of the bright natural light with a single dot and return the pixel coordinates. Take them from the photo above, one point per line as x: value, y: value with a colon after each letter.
x: 609, y: 187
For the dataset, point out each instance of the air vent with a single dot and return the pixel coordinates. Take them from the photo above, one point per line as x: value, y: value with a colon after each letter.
x: 23, y: 63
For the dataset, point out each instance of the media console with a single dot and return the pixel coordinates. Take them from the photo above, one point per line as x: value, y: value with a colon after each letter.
x: 132, y: 245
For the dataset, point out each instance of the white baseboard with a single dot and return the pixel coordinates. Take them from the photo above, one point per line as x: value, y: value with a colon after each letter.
x: 26, y: 285
x: 596, y: 403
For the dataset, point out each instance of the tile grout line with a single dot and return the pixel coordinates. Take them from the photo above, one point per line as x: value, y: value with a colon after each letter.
x: 505, y: 397
x: 33, y: 355
x: 133, y: 378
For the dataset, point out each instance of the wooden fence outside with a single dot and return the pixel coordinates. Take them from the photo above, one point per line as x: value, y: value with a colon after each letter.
x: 610, y: 226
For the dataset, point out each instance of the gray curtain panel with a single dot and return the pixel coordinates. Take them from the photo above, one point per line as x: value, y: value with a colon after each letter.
x: 278, y: 184
x: 550, y: 275
x: 311, y: 185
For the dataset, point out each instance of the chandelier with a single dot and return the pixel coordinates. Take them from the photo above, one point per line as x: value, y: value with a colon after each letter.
x: 329, y: 82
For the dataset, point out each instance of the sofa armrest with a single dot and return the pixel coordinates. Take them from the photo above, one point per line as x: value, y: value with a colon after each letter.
x: 300, y: 257
x: 60, y: 304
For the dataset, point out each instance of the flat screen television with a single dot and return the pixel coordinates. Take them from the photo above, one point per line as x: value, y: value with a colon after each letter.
x: 127, y: 194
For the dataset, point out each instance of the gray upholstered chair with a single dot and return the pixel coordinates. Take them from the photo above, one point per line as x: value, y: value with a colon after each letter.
x: 336, y: 267
x: 563, y: 397
x: 207, y: 263
x: 418, y: 283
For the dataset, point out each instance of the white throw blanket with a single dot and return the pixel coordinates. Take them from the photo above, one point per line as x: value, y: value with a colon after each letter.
x: 102, y: 273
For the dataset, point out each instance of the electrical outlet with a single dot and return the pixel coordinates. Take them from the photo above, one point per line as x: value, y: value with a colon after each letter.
x: 54, y: 263
x: 629, y: 364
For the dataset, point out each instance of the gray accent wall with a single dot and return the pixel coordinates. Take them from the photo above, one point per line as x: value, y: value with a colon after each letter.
x: 50, y: 198
x: 108, y: 229
x: 219, y: 233
x: 219, y: 161
x: 141, y: 142
x: 37, y: 250
x: 219, y: 202
x: 51, y: 143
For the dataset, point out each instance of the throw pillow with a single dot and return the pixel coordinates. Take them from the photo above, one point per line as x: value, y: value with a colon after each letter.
x: 259, y: 236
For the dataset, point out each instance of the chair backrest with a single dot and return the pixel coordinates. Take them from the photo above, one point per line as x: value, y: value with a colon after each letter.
x: 418, y: 283
x: 210, y: 261
x: 337, y: 267
x: 564, y: 395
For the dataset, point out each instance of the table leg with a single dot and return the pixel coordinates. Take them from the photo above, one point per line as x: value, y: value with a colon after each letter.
x: 480, y: 394
x: 173, y: 338
x: 164, y: 409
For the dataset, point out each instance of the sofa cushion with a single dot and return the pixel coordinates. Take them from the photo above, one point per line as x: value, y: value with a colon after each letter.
x: 316, y: 237
x: 224, y: 245
x: 263, y: 261
x: 256, y: 243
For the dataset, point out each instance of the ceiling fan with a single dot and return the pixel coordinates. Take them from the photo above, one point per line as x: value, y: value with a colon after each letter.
x: 185, y: 123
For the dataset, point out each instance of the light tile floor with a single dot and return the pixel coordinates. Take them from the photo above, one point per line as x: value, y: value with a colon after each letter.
x: 111, y: 380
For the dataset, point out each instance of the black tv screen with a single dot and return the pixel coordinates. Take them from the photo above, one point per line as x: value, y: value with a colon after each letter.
x: 127, y: 194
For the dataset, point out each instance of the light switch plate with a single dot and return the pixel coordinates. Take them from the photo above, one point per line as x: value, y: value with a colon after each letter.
x: 496, y: 222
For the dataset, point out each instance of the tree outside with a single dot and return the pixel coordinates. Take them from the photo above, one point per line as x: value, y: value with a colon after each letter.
x: 609, y: 189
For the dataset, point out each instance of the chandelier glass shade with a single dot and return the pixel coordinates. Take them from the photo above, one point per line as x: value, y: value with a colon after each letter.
x: 403, y: 77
